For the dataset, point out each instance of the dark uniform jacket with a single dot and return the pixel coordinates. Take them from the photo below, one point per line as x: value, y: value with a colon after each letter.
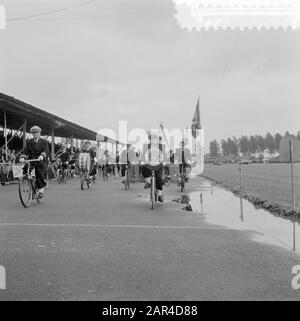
x: 34, y: 149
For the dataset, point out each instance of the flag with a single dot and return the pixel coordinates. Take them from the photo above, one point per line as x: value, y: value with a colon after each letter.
x: 196, y: 124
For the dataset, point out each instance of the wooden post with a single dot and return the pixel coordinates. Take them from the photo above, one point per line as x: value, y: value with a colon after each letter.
x: 201, y: 202
x: 242, y: 209
x: 52, y: 144
x: 5, y: 136
x: 293, y: 193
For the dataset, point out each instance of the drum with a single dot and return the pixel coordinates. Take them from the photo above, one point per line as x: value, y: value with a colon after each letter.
x: 84, y: 162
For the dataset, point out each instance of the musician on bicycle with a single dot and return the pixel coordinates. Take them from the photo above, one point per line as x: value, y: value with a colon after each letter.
x: 37, y: 148
x: 87, y: 175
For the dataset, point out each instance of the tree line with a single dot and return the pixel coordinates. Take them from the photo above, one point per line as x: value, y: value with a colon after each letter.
x: 247, y: 145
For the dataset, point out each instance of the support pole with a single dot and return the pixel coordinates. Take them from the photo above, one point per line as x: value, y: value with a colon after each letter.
x: 5, y: 136
x: 24, y: 132
x: 241, y: 177
x: 117, y: 151
x: 52, y: 144
x: 72, y: 142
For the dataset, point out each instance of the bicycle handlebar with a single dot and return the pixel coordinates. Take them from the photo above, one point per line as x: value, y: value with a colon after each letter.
x: 32, y: 160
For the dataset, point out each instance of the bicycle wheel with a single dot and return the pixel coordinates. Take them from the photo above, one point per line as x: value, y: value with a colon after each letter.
x: 182, y: 183
x: 152, y: 192
x: 127, y: 184
x: 64, y: 176
x: 88, y: 182
x: 25, y: 191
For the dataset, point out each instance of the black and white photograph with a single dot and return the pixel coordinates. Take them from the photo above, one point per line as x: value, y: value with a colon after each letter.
x: 149, y: 153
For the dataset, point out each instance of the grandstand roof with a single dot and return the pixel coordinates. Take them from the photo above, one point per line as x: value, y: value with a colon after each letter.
x: 17, y: 110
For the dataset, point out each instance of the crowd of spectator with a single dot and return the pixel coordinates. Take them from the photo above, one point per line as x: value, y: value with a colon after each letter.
x: 14, y: 151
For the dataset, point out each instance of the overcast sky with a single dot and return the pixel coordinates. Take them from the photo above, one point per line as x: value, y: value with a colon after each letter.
x: 134, y: 62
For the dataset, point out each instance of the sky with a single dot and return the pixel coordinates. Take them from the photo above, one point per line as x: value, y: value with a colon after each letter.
x: 112, y: 60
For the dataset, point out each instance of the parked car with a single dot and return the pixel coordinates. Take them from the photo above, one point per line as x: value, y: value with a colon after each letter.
x: 245, y: 161
x: 217, y: 163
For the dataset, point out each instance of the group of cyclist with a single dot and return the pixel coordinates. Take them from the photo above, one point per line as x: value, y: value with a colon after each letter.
x: 38, y: 148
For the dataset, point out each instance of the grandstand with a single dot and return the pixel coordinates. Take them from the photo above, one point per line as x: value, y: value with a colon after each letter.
x: 17, y: 117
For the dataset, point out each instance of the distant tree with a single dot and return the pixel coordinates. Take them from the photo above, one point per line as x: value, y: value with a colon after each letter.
x: 244, y: 144
x: 261, y: 143
x: 298, y: 135
x: 232, y: 147
x: 253, y: 145
x: 214, y: 149
x: 270, y: 142
x: 277, y: 139
x: 224, y: 147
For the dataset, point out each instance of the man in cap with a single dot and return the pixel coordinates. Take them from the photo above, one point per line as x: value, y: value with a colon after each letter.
x: 154, y: 140
x: 37, y: 148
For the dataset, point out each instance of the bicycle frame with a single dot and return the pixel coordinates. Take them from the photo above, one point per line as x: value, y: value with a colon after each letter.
x: 153, y: 191
x: 32, y: 181
x: 182, y: 178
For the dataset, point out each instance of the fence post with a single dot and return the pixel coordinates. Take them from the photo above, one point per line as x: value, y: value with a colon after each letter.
x: 293, y: 193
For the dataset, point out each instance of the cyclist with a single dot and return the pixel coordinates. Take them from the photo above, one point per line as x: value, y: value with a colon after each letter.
x: 72, y: 164
x: 106, y: 165
x: 183, y: 156
x: 153, y: 138
x: 64, y: 157
x: 37, y: 148
x: 128, y: 156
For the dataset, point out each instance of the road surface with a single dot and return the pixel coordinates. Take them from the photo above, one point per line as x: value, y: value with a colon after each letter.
x: 107, y: 244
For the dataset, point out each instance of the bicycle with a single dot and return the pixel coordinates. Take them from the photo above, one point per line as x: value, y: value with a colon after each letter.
x: 93, y: 173
x: 27, y: 186
x: 182, y: 180
x: 105, y: 172
x: 85, y: 178
x: 57, y: 167
x: 63, y: 176
x: 153, y: 190
x: 183, y: 177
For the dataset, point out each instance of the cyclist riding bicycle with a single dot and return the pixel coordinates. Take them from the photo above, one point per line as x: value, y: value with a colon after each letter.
x: 183, y: 157
x: 128, y: 157
x: 154, y: 139
x: 72, y: 163
x: 37, y: 148
x: 107, y: 163
x: 64, y: 157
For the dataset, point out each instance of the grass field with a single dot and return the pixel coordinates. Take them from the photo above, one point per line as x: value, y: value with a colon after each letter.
x: 270, y: 183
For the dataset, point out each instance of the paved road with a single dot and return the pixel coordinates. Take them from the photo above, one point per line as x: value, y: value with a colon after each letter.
x: 107, y: 244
